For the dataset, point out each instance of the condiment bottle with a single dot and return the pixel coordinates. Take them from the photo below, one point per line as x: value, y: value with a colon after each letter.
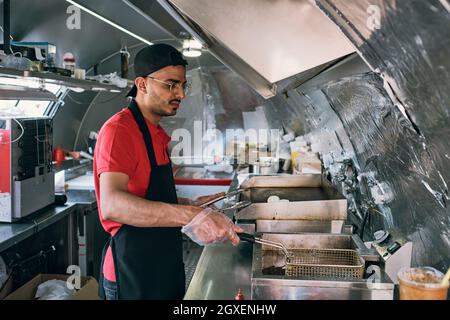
x: 240, y: 295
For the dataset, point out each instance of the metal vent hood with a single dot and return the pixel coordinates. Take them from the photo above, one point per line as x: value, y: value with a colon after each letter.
x: 263, y: 41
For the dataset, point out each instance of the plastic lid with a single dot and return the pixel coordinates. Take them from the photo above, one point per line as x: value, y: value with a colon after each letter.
x: 424, y: 277
x: 380, y: 236
x: 68, y: 56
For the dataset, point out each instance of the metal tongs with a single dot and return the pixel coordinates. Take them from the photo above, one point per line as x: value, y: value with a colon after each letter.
x: 251, y: 238
x: 236, y: 206
x: 226, y: 195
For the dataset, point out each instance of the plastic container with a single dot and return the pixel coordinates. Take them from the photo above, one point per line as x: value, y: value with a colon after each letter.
x: 69, y: 62
x: 421, y: 284
x: 13, y: 62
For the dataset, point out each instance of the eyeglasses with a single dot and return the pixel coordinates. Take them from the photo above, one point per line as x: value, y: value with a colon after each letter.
x: 170, y: 85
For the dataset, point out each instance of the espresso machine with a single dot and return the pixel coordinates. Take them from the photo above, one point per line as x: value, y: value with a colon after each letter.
x: 26, y: 171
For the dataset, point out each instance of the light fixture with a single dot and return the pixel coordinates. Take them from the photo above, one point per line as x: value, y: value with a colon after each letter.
x: 115, y: 25
x: 192, y: 48
x: 98, y: 89
x: 76, y: 89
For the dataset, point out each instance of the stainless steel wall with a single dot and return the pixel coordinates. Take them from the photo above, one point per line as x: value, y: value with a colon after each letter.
x: 407, y: 43
x: 371, y: 151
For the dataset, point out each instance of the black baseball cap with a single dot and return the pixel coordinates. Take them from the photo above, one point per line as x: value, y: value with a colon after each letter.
x: 154, y: 58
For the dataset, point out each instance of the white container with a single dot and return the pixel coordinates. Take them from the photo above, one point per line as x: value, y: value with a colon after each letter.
x: 80, y: 74
x: 269, y: 165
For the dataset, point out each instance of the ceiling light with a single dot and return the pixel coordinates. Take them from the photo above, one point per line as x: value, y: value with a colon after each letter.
x: 115, y: 25
x: 192, y: 53
x: 76, y: 89
x: 98, y: 89
x: 192, y: 43
x: 192, y: 48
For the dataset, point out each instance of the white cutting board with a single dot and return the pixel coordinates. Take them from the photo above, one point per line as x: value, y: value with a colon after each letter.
x: 85, y: 182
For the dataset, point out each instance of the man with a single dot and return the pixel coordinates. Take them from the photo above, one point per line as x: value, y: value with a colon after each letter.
x: 135, y: 189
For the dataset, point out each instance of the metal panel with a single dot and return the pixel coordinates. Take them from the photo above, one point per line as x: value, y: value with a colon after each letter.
x: 305, y: 203
x: 308, y: 210
x: 101, y: 108
x: 33, y: 194
x: 224, y: 54
x: 67, y: 119
x: 282, y: 181
x: 273, y: 43
x: 277, y: 39
x: 298, y: 226
x: 92, y: 39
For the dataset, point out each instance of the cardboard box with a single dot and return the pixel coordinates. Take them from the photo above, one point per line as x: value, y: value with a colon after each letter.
x: 6, y: 289
x: 88, y: 290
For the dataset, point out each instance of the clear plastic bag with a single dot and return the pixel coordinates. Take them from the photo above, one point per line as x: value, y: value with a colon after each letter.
x: 54, y: 290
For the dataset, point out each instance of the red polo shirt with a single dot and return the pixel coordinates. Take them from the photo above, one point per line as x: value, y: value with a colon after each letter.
x: 120, y: 147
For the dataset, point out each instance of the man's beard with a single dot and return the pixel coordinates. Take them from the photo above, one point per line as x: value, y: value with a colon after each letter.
x: 173, y: 109
x: 167, y: 112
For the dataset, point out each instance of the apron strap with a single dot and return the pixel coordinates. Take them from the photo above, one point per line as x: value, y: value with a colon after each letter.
x: 137, y: 114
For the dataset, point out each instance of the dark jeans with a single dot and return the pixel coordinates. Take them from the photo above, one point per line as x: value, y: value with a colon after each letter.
x: 110, y: 289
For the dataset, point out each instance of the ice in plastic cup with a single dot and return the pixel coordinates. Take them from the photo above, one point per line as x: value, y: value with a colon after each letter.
x: 422, y: 283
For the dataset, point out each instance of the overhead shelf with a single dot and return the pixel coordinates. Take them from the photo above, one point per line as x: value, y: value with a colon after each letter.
x: 20, y: 93
x: 51, y: 78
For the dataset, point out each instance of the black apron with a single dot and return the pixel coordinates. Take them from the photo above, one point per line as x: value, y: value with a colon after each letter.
x: 148, y: 262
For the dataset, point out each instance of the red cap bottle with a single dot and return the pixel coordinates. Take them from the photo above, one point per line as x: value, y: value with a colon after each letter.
x: 240, y: 295
x: 59, y: 154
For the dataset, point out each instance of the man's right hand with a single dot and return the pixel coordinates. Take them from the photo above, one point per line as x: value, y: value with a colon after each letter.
x: 210, y: 226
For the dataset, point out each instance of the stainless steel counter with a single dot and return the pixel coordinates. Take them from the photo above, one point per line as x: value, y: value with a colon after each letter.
x: 221, y: 271
x: 82, y: 197
x: 13, y: 233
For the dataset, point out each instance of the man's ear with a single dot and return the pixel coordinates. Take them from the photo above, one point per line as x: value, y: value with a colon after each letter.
x: 141, y: 84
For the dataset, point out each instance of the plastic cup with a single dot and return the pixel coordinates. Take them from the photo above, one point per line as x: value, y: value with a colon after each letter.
x: 421, y: 284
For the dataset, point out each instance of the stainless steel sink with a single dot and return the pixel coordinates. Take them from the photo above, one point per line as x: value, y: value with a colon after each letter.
x: 276, y: 285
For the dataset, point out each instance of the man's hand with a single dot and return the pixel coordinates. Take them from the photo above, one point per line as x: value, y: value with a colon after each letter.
x: 210, y: 226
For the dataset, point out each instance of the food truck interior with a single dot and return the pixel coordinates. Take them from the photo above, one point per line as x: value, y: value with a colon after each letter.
x: 329, y: 118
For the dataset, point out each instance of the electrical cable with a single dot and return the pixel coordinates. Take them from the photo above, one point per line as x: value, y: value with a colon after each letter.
x: 21, y: 134
x: 1, y: 28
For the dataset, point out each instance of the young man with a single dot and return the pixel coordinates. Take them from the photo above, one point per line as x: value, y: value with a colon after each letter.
x: 135, y: 189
